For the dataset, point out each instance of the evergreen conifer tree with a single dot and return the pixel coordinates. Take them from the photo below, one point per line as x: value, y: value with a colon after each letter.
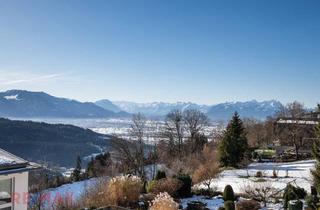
x: 91, y: 172
x: 234, y: 144
x: 316, y: 155
x: 76, y: 174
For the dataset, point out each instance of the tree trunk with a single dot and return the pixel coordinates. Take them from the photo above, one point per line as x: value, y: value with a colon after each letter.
x: 296, y: 148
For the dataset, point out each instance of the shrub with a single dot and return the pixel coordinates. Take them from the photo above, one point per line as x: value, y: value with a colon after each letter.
x: 96, y: 195
x: 160, y: 175
x: 205, y: 173
x: 259, y: 174
x: 293, y: 193
x: 312, y: 200
x: 64, y: 203
x: 309, y: 201
x: 169, y: 185
x: 164, y: 201
x: 206, y: 192
x: 124, y: 190
x: 295, y: 205
x: 151, y: 185
x: 229, y: 205
x: 196, y: 205
x: 185, y: 189
x: 228, y: 194
x: 260, y: 191
x: 221, y: 208
x: 274, y: 174
x: 248, y: 205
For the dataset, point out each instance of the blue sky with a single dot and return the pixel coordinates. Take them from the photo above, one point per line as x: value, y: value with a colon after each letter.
x: 205, y: 51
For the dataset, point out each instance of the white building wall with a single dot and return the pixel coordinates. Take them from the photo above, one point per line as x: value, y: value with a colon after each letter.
x: 20, y: 189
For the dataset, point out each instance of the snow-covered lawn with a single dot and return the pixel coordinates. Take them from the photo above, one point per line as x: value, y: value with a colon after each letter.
x: 295, y: 172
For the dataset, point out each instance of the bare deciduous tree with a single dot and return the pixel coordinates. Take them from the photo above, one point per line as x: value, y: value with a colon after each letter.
x: 174, y: 131
x: 195, y: 122
x: 261, y: 191
x: 205, y: 174
x: 137, y: 131
x: 294, y: 134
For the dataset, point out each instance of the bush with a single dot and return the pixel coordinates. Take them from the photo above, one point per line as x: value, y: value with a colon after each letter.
x: 221, y: 208
x: 161, y: 175
x: 169, y: 185
x: 205, y: 192
x: 295, y: 205
x: 163, y: 201
x: 96, y: 195
x: 260, y: 191
x: 248, y: 205
x: 196, y: 205
x: 293, y: 193
x: 229, y: 205
x: 309, y: 201
x: 205, y: 173
x: 185, y: 189
x: 228, y: 194
x: 151, y: 185
x: 259, y: 174
x: 124, y: 190
x: 274, y: 174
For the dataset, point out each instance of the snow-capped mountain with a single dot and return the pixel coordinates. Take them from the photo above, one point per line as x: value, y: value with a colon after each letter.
x: 26, y: 104
x: 248, y: 109
x: 158, y: 108
x: 107, y: 104
x: 222, y: 111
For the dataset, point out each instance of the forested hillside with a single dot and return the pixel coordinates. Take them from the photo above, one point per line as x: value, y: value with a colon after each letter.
x: 56, y: 144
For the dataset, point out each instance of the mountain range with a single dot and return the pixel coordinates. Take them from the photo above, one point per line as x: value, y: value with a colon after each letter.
x: 26, y: 104
x: 222, y: 111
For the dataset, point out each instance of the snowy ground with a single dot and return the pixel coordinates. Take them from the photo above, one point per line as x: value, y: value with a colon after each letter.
x: 212, y: 204
x: 298, y: 173
x: 72, y: 192
x: 216, y: 202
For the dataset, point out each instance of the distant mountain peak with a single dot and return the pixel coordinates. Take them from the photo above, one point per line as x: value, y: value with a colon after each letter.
x: 221, y: 111
x: 28, y: 104
x: 22, y: 103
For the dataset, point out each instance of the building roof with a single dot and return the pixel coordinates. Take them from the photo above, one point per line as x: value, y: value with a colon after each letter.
x: 10, y: 163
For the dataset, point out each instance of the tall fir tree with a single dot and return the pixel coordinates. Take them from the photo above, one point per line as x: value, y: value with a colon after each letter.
x: 91, y: 172
x: 76, y: 174
x: 234, y: 144
x: 316, y: 155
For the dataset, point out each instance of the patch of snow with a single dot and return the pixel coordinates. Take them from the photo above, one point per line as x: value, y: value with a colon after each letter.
x: 73, y: 192
x: 5, y: 160
x: 12, y: 97
x: 298, y: 174
x: 212, y: 203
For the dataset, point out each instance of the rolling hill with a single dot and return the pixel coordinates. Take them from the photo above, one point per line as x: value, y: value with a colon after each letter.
x: 56, y: 144
x: 26, y: 104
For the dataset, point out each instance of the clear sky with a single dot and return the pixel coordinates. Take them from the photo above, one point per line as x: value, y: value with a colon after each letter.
x: 204, y: 51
